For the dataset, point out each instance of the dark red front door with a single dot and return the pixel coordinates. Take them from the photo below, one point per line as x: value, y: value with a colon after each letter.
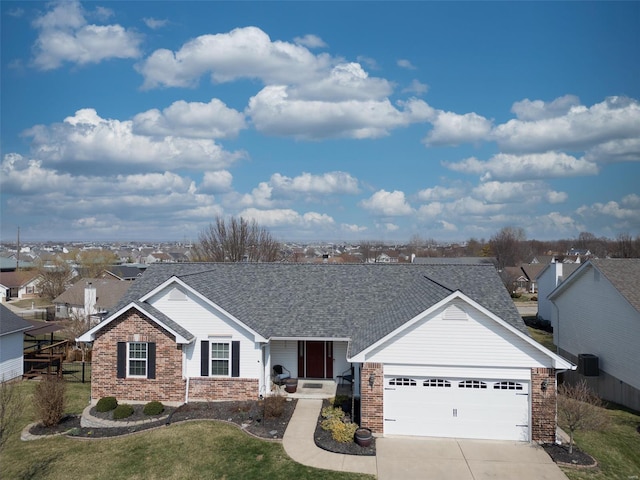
x: 315, y: 359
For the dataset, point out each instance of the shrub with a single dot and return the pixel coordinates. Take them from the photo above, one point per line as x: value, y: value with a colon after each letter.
x: 274, y: 406
x: 122, y: 411
x: 534, y: 298
x: 516, y: 295
x: 340, y: 431
x: 332, y: 412
x: 153, y: 408
x: 49, y: 400
x: 106, y: 404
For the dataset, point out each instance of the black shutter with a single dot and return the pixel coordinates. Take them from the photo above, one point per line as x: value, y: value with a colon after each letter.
x: 151, y: 360
x: 235, y: 359
x: 204, y: 358
x: 122, y: 360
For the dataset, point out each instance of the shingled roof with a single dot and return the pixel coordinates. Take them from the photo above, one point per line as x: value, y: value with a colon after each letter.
x: 624, y: 275
x: 11, y: 323
x: 362, y: 302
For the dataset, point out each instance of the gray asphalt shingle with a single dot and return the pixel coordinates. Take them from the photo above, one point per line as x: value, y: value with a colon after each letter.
x: 361, y: 302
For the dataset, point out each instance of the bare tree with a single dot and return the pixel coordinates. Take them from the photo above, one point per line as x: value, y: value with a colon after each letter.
x: 75, y: 326
x: 509, y: 247
x: 93, y: 262
x: 54, y: 278
x: 11, y: 408
x: 579, y: 409
x: 626, y: 247
x: 235, y: 240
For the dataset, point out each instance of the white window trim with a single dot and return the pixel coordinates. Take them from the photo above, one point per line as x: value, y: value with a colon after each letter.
x: 212, y: 358
x: 145, y: 360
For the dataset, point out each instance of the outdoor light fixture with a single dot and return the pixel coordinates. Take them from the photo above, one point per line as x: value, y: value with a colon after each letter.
x: 545, y: 384
x: 372, y: 379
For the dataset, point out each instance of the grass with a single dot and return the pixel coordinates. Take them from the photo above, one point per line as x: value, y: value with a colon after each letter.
x: 543, y: 338
x: 191, y: 450
x: 27, y: 303
x: 617, y: 449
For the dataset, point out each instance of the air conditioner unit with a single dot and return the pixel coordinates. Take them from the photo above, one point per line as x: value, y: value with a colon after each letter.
x: 588, y: 365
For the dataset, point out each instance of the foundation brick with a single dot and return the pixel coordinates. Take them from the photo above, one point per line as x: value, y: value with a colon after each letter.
x: 543, y: 405
x: 371, y: 398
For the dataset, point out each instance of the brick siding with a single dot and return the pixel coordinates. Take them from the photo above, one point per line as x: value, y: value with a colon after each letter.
x: 216, y: 388
x: 543, y: 405
x: 372, y: 398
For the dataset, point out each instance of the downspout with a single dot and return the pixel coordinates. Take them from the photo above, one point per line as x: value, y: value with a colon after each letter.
x: 262, y: 391
x: 184, y: 373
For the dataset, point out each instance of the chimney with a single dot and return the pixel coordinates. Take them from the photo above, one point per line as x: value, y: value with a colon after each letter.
x: 89, y: 300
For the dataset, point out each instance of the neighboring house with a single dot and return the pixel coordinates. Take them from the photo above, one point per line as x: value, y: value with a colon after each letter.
x: 12, y: 328
x: 547, y: 280
x: 158, y: 257
x: 436, y: 350
x: 454, y: 260
x: 531, y: 271
x: 596, y: 318
x: 18, y: 285
x: 90, y: 297
x: 124, y: 272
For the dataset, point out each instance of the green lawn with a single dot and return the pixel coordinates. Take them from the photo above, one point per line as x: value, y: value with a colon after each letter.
x: 617, y: 449
x: 193, y: 450
x: 543, y: 338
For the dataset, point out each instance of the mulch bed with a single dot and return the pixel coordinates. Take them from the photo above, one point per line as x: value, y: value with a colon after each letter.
x: 560, y: 454
x: 325, y: 441
x: 248, y: 415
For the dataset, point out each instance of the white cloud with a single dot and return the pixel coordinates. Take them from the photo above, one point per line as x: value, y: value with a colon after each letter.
x: 389, y: 204
x: 447, y: 226
x: 439, y: 192
x: 191, y: 120
x: 389, y: 227
x: 154, y: 23
x: 306, y: 183
x: 625, y: 150
x: 416, y: 87
x: 614, y: 119
x: 352, y: 228
x: 242, y: 53
x: 287, y: 217
x: 23, y: 176
x: 453, y: 129
x: 65, y: 36
x: 527, y: 110
x: 274, y: 113
x: 87, y: 139
x: 216, y: 182
x: 532, y: 166
x: 404, y: 63
x: 517, y: 192
x: 310, y: 41
x: 368, y: 61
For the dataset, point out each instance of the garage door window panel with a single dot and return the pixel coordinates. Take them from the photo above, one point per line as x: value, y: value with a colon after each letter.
x: 437, y: 383
x: 507, y: 386
x: 405, y: 382
x: 472, y: 384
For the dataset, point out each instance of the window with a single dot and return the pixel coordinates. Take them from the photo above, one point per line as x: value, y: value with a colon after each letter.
x: 472, y: 384
x: 220, y: 359
x: 137, y: 359
x: 436, y: 382
x: 507, y: 386
x: 409, y: 382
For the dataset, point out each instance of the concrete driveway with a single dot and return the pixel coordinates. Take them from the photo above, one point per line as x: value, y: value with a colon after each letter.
x: 409, y: 458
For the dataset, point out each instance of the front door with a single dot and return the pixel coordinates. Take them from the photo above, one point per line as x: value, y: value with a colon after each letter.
x: 316, y: 359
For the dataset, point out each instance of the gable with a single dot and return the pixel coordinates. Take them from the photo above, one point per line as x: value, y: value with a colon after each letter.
x: 458, y: 332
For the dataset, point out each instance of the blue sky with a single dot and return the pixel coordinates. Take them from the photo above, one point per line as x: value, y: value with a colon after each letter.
x: 334, y: 121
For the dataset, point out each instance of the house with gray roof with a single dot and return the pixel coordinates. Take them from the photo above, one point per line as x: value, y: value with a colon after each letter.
x: 596, y: 320
x: 12, y: 328
x: 431, y: 350
x: 90, y: 298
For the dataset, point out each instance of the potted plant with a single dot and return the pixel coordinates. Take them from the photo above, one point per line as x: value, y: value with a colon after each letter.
x: 290, y: 385
x: 363, y: 436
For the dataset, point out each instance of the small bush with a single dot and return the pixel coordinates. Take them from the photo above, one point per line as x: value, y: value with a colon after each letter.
x: 49, y: 400
x: 516, y: 295
x: 122, y: 411
x: 332, y: 412
x: 340, y: 431
x: 534, y: 298
x: 153, y: 408
x: 106, y: 404
x: 338, y: 400
x: 274, y: 406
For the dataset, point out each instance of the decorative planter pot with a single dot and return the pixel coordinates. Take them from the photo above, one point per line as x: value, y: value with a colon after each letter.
x: 291, y: 385
x: 363, y: 437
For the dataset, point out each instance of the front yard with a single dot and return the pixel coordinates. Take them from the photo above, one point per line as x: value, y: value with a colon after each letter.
x: 200, y: 449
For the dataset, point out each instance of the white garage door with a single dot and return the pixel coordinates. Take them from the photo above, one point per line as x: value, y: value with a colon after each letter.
x: 455, y: 407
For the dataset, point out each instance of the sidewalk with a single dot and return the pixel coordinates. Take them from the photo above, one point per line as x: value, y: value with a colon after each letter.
x: 299, y: 444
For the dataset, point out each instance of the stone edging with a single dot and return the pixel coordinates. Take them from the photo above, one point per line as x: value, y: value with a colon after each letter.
x: 89, y: 421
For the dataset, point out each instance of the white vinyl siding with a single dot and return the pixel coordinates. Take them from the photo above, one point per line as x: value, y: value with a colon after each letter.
x: 208, y: 323
x: 11, y: 362
x: 478, y: 341
x: 595, y: 318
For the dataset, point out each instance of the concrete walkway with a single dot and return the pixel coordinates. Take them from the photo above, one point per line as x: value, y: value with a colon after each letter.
x: 299, y: 444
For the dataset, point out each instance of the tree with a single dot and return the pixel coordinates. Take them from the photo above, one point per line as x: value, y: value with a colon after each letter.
x: 235, y: 240
x: 579, y: 409
x: 93, y: 262
x: 626, y: 247
x: 508, y: 245
x: 11, y: 408
x: 54, y: 278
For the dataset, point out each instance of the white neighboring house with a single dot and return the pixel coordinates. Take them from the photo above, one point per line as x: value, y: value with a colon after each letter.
x: 12, y: 328
x: 596, y: 319
x: 547, y: 280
